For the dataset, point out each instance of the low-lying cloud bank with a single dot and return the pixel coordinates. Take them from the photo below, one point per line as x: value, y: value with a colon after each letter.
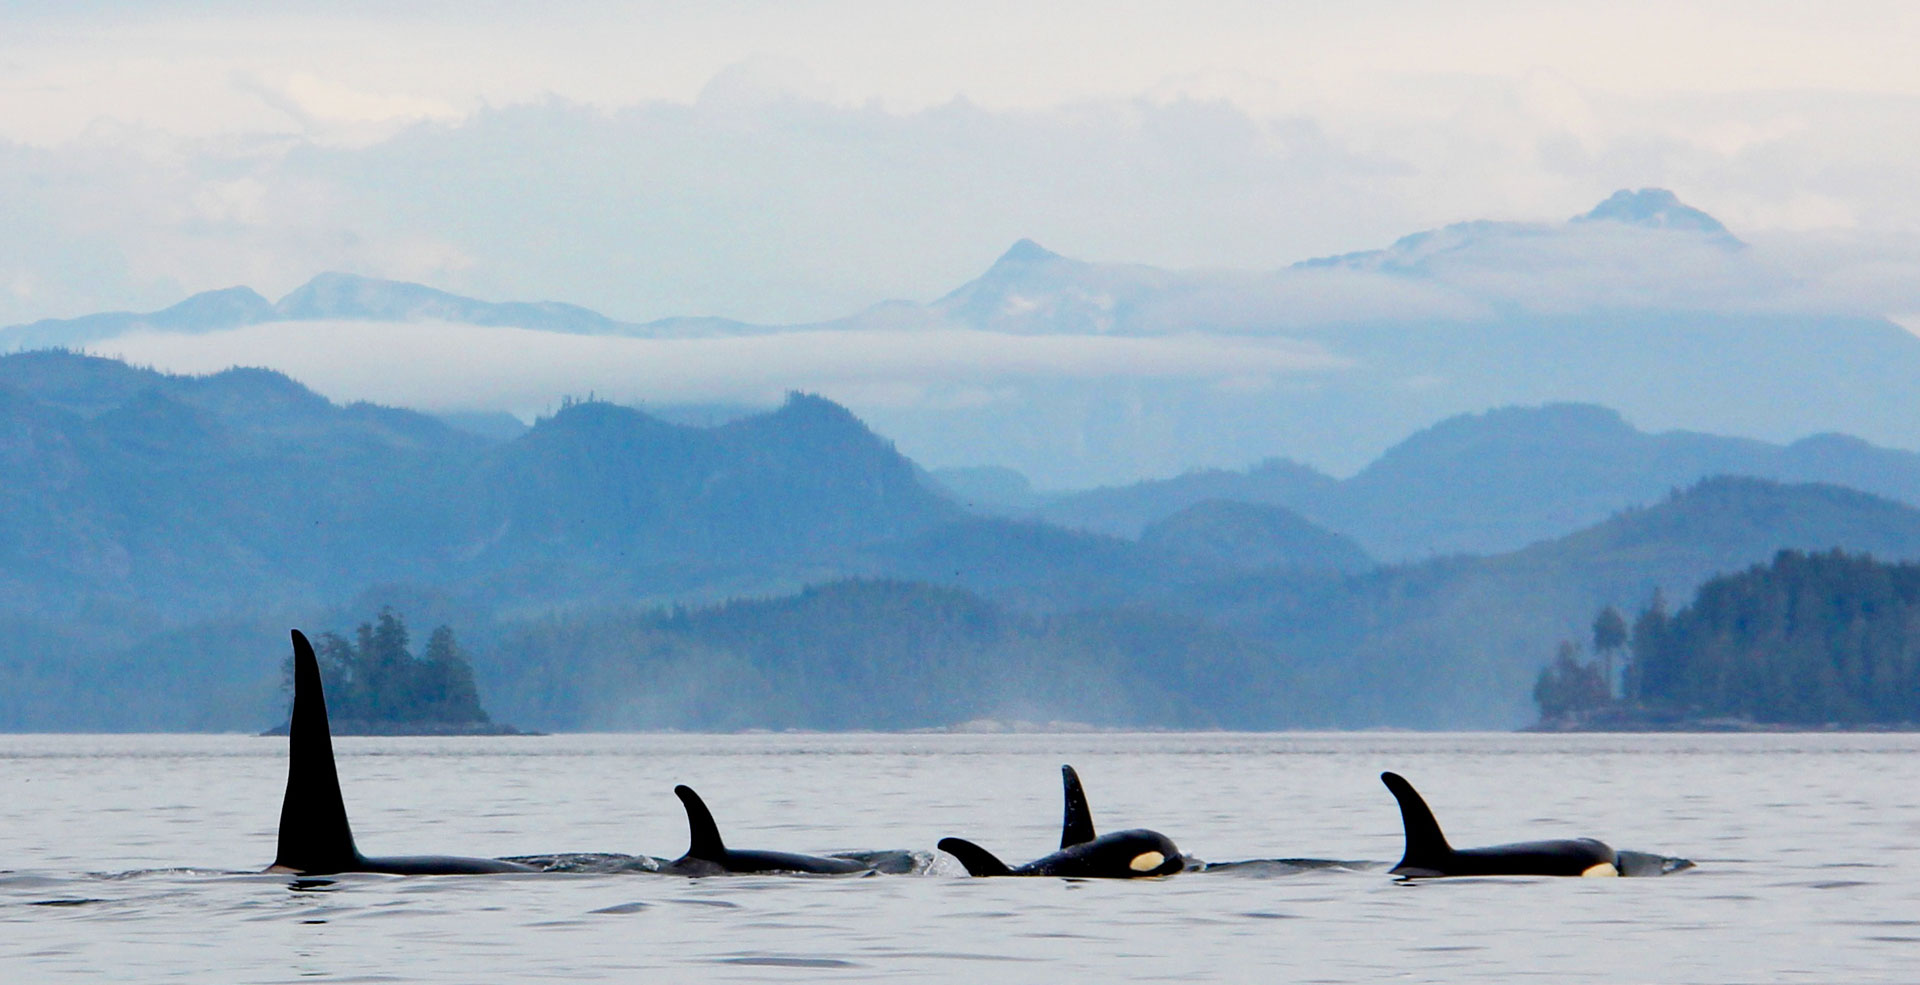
x: 443, y: 367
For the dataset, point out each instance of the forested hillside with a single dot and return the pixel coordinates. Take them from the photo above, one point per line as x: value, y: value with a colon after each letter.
x: 1808, y: 639
x: 1456, y: 642
x: 172, y: 498
x: 606, y: 568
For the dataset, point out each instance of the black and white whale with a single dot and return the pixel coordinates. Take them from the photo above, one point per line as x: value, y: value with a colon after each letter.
x: 707, y: 855
x: 1428, y: 854
x: 315, y: 838
x: 1127, y: 854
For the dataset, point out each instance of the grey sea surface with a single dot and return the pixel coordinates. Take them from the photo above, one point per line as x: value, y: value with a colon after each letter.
x: 137, y: 857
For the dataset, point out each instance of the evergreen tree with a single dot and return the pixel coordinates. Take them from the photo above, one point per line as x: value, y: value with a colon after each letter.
x: 1569, y: 687
x: 1649, y: 629
x: 1609, y: 635
x: 446, y: 692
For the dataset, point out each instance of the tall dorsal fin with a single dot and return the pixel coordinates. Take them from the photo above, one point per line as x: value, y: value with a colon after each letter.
x: 1077, y: 827
x: 978, y: 861
x: 704, y: 835
x: 314, y: 834
x: 1426, y: 846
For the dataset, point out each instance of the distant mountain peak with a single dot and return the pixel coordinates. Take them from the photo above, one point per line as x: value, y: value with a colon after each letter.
x: 1513, y: 428
x: 1560, y: 416
x: 594, y: 414
x: 1484, y: 240
x: 334, y: 279
x: 260, y: 381
x: 813, y: 415
x: 353, y: 297
x: 1653, y: 208
x: 334, y: 294
x: 1025, y: 252
x: 799, y: 403
x: 225, y: 308
x: 1033, y: 290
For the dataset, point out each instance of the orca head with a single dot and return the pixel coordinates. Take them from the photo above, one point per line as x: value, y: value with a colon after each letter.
x: 1591, y: 856
x: 1132, y: 854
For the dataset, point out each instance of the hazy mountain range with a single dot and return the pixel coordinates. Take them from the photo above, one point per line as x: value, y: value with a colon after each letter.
x: 185, y: 496
x: 1078, y: 373
x: 333, y: 296
x: 1476, y: 483
x: 160, y: 532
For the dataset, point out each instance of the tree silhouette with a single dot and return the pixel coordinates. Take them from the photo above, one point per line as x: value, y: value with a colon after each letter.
x: 374, y: 680
x: 1609, y: 634
x: 1568, y: 686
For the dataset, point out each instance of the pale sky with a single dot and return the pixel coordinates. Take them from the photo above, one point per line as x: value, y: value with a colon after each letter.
x: 799, y: 160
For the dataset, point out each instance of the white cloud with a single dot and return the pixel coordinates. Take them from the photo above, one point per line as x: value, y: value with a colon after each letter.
x: 333, y: 113
x: 790, y: 210
x: 794, y: 162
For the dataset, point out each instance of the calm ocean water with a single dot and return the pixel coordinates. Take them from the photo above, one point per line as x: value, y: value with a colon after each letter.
x: 131, y: 858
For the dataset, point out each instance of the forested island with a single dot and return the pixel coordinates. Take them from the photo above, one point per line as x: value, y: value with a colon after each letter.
x: 1826, y: 639
x: 376, y: 686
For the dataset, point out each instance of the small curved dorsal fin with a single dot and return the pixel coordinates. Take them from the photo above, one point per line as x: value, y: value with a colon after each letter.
x: 978, y: 861
x: 1077, y: 827
x: 1426, y: 846
x: 704, y: 836
x: 314, y: 834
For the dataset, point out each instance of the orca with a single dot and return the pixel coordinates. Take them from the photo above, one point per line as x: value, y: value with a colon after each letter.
x: 1129, y: 854
x: 315, y: 838
x: 707, y: 855
x: 1428, y: 855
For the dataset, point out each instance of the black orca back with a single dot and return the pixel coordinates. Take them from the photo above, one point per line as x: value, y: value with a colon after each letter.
x: 439, y: 865
x: 707, y: 854
x: 1076, y: 828
x: 1565, y: 857
x: 314, y: 834
x: 1428, y: 853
